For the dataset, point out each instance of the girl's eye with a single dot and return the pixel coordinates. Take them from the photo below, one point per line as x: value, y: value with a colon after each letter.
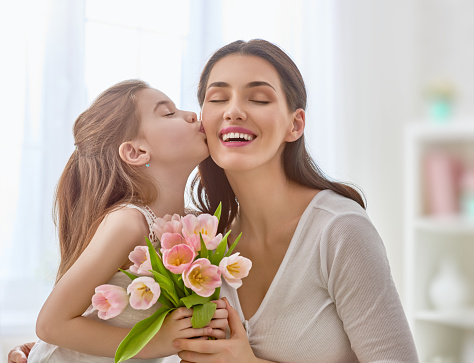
x: 215, y: 101
x: 170, y: 114
x: 261, y: 102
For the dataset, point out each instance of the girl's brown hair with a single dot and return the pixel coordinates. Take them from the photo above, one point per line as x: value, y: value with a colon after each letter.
x: 210, y: 183
x: 95, y: 179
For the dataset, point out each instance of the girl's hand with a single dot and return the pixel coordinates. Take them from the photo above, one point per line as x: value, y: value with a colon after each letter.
x: 236, y: 349
x: 219, y: 322
x: 20, y: 353
x: 177, y: 325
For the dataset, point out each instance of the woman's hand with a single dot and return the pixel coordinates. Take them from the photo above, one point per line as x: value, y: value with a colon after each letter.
x: 236, y: 349
x: 20, y: 353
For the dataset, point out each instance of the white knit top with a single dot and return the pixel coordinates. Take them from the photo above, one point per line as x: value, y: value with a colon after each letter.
x: 333, y: 299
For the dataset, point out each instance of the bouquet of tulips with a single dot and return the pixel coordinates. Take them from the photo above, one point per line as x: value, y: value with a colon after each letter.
x: 186, y: 271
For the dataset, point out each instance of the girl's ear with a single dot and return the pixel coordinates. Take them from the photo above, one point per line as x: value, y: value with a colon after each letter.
x: 132, y: 154
x: 297, y: 126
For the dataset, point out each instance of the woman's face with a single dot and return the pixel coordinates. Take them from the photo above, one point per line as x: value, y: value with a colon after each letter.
x: 245, y: 113
x: 174, y: 137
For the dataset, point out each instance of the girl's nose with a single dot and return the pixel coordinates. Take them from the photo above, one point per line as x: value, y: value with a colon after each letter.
x: 191, y: 117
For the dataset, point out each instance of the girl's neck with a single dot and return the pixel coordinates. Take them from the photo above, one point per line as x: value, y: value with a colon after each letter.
x: 171, y: 188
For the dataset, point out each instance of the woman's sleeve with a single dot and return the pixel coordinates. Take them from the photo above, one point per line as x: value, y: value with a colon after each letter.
x: 360, y: 283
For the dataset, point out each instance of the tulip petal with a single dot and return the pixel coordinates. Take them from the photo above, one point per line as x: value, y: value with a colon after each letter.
x: 109, y: 300
x: 202, y: 277
x: 144, y: 292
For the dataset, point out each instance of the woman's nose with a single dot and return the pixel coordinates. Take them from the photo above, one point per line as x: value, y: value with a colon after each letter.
x: 234, y: 111
x: 191, y: 117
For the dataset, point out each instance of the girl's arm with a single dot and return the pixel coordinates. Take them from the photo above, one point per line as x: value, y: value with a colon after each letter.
x: 60, y: 321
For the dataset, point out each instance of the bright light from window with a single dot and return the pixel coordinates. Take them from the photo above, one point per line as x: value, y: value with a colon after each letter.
x: 136, y: 39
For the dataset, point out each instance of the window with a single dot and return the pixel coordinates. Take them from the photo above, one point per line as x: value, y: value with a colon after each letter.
x: 142, y: 39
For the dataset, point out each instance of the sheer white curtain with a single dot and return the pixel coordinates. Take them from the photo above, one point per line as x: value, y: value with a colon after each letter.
x: 43, y: 94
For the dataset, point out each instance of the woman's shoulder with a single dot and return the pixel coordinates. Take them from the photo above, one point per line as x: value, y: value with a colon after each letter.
x: 330, y: 210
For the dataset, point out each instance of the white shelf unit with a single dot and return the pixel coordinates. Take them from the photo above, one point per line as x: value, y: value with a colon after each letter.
x: 438, y: 334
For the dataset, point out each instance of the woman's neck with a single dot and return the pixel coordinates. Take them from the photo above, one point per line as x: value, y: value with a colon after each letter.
x: 268, y: 201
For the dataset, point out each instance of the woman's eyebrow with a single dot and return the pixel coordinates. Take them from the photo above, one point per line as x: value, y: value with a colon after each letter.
x: 249, y: 85
x: 218, y: 84
x: 258, y: 84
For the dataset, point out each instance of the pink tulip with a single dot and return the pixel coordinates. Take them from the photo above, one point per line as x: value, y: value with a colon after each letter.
x: 206, y: 225
x: 169, y: 223
x: 169, y: 240
x: 140, y: 257
x: 234, y: 268
x: 178, y: 258
x: 202, y: 277
x: 109, y: 300
x: 144, y: 292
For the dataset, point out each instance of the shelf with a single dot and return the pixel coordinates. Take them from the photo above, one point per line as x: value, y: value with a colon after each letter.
x: 452, y: 225
x: 455, y: 131
x: 463, y: 319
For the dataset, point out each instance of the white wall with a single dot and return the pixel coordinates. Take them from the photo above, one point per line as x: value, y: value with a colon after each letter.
x: 386, y: 52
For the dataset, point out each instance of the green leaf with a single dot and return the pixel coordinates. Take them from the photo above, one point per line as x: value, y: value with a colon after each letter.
x: 165, y: 301
x: 194, y: 299
x: 220, y: 250
x: 156, y: 262
x: 132, y: 277
x: 233, y: 245
x: 167, y: 286
x: 204, y: 252
x: 218, y: 211
x: 153, y: 255
x: 179, y: 284
x: 216, y: 294
x: 140, y: 335
x: 202, y: 314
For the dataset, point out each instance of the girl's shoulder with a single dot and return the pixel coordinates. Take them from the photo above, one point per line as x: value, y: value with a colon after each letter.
x: 126, y: 223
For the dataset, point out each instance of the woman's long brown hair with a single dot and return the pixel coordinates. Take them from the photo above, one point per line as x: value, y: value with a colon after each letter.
x: 211, y: 186
x: 95, y: 179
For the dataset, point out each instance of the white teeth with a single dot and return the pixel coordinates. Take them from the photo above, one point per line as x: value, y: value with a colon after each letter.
x: 236, y: 135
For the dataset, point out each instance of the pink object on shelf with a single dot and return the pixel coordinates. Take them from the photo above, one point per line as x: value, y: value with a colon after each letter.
x: 442, y: 173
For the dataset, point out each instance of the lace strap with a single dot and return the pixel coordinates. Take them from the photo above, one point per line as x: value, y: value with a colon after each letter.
x: 150, y: 218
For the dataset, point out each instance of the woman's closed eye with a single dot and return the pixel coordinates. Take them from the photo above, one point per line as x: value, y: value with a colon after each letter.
x: 261, y: 102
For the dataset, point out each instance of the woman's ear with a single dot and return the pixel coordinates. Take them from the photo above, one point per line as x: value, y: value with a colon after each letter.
x: 132, y: 154
x: 297, y: 125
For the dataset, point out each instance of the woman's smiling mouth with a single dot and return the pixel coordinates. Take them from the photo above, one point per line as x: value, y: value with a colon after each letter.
x: 236, y: 135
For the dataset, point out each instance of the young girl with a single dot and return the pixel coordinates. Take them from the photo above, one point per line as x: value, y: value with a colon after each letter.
x: 134, y: 153
x: 320, y: 288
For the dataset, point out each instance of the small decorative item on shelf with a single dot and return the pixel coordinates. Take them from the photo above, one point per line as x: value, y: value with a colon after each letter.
x: 467, y: 193
x: 449, y: 289
x: 440, y: 94
x: 442, y: 172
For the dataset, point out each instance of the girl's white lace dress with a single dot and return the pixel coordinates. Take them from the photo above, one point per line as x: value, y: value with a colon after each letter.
x: 44, y: 352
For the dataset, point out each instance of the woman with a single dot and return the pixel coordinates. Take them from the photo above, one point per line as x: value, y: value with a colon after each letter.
x: 320, y: 288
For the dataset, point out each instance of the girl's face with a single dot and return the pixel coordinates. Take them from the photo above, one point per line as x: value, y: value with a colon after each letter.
x: 173, y: 137
x: 245, y: 113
